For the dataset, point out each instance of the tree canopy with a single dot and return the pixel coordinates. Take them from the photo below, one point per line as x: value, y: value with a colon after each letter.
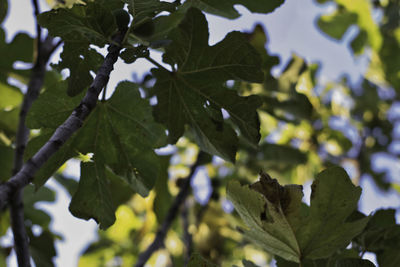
x: 214, y: 110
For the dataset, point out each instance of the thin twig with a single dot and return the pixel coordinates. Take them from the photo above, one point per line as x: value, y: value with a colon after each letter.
x: 21, y: 242
x: 156, y: 63
x: 65, y: 130
x: 171, y: 215
x: 36, y: 12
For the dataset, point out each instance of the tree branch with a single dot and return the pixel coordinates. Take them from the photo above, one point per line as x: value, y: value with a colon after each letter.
x: 171, y: 215
x: 65, y: 130
x: 44, y: 51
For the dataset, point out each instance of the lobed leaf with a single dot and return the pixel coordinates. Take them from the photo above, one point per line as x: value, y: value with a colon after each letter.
x: 282, y: 225
x: 194, y: 94
x: 92, y: 199
x: 121, y: 134
x: 91, y: 23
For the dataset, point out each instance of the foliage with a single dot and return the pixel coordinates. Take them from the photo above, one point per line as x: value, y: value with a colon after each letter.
x: 225, y: 116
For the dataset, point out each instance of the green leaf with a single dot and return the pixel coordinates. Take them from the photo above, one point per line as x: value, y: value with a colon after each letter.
x: 122, y: 134
x: 225, y: 8
x: 198, y: 261
x: 70, y: 184
x: 247, y: 263
x: 336, y: 24
x: 140, y: 9
x: 42, y: 248
x: 163, y: 198
x: 389, y: 257
x: 282, y: 154
x: 280, y: 223
x: 381, y: 232
x: 80, y: 60
x: 52, y: 108
x: 268, y: 219
x: 362, y: 11
x: 20, y: 49
x: 66, y: 152
x: 195, y: 94
x: 3, y: 9
x: 9, y: 121
x: 354, y: 263
x: 80, y: 27
x: 6, y: 162
x: 91, y: 23
x: 333, y: 199
x: 131, y: 54
x: 92, y: 200
x: 109, y: 192
x: 4, y: 222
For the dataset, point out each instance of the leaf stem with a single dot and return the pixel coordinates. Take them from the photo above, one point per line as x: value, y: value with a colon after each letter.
x: 156, y: 63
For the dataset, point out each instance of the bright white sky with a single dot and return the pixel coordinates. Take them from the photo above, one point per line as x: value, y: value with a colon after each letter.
x: 290, y: 30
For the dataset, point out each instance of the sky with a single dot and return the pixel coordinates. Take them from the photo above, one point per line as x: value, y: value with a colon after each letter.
x: 290, y: 28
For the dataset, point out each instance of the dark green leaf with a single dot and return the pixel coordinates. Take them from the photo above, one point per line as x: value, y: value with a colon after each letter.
x: 247, y: 263
x: 277, y: 223
x: 80, y: 60
x: 282, y: 154
x: 381, y: 232
x: 354, y: 263
x: 93, y: 198
x: 195, y: 94
x: 30, y: 198
x: 225, y: 8
x: 52, y: 108
x: 163, y: 198
x: 333, y: 199
x: 3, y: 9
x: 130, y: 55
x: 70, y: 184
x: 390, y: 257
x: 268, y: 219
x: 6, y: 162
x: 42, y: 249
x: 121, y: 133
x: 141, y: 9
x: 92, y: 23
x: 20, y: 49
x: 120, y: 190
x: 198, y: 261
